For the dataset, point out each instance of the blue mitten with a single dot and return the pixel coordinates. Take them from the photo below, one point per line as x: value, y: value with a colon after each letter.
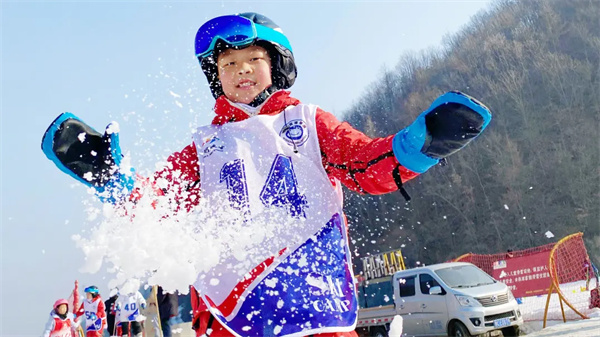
x: 89, y: 156
x: 451, y: 122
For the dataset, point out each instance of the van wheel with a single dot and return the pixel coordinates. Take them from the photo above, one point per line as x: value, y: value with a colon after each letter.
x: 511, y: 331
x: 460, y: 330
x: 379, y: 332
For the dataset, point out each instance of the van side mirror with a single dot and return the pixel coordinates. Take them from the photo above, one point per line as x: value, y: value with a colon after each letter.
x: 436, y: 290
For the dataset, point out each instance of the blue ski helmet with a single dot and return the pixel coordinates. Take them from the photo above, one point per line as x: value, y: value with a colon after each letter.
x: 240, y: 31
x: 92, y: 290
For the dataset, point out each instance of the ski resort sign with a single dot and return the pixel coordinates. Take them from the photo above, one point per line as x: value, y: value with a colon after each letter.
x: 525, y: 275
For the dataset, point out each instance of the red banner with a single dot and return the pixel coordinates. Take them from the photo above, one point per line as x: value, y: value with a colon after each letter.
x: 525, y: 275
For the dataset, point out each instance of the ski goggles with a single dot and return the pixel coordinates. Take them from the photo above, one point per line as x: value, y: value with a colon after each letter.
x: 236, y: 31
x: 92, y: 290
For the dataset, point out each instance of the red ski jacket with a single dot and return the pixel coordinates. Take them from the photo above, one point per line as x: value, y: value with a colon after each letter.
x: 362, y: 164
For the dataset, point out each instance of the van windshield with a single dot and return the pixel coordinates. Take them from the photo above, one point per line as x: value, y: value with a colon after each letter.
x: 464, y: 276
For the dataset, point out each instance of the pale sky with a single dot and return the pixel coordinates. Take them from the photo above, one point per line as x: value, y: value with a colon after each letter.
x: 133, y: 62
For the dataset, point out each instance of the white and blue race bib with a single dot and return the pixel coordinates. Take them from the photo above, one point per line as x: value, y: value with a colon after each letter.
x: 92, y: 321
x: 128, y: 306
x: 295, y: 278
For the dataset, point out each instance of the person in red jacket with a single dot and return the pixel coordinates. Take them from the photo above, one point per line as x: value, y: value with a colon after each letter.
x: 61, y: 322
x: 362, y: 164
x: 94, y: 311
x: 279, y: 159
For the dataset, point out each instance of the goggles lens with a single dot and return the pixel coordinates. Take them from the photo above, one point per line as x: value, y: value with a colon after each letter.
x: 233, y: 29
x: 92, y: 290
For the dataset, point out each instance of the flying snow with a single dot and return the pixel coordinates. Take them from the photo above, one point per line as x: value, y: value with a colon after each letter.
x: 148, y: 241
x: 113, y: 127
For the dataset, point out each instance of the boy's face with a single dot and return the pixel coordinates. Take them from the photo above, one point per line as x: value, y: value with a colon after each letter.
x: 244, y: 73
x: 61, y: 309
x: 89, y: 296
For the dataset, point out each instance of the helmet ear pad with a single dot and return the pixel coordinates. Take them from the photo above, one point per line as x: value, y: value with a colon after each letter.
x: 283, y: 66
x: 211, y: 71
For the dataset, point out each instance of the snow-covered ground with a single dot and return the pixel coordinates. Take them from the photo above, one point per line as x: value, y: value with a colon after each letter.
x: 576, y: 293
x: 579, y: 296
x: 580, y: 328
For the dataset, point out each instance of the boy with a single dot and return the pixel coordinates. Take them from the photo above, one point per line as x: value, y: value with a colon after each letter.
x: 95, y: 314
x: 128, y: 313
x: 270, y: 153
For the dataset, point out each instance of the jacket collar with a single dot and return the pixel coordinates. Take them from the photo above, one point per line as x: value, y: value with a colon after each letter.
x: 228, y: 111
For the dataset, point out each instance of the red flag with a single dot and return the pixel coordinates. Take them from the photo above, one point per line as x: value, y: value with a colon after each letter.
x: 74, y: 298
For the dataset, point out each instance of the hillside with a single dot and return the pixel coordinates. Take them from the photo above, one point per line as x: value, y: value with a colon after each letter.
x: 535, y: 64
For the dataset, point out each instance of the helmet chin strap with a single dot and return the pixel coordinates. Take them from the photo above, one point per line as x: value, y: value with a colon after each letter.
x: 262, y: 97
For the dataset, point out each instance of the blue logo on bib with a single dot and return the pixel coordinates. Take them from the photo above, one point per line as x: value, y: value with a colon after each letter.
x: 210, y: 145
x: 295, y: 132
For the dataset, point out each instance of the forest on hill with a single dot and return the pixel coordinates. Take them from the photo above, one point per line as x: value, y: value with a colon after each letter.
x: 536, y: 168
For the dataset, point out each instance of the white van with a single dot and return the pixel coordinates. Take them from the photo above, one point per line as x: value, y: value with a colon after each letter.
x: 446, y: 299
